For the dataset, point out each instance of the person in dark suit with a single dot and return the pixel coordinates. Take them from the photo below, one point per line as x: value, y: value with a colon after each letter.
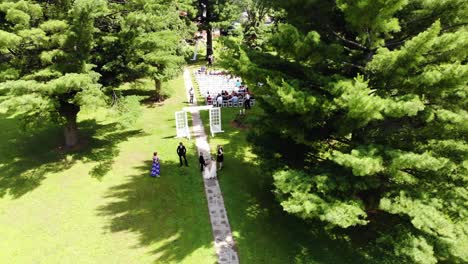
x: 220, y: 156
x: 202, y: 162
x: 181, y: 151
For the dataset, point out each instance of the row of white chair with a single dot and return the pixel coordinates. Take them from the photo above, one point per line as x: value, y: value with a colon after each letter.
x: 229, y: 103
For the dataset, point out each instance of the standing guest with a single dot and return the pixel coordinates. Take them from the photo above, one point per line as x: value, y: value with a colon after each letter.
x: 220, y: 156
x: 238, y: 83
x: 155, y: 168
x: 247, y: 101
x: 181, y: 151
x: 210, y: 60
x: 202, y: 162
x: 209, y: 100
x: 191, y: 95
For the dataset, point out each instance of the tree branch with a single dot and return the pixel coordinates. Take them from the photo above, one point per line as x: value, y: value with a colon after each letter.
x: 350, y: 42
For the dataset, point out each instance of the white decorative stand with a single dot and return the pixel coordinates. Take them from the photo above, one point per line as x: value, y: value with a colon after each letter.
x: 182, y: 125
x: 215, y: 121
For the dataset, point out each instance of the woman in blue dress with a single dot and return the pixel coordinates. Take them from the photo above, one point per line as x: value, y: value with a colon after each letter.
x: 155, y: 168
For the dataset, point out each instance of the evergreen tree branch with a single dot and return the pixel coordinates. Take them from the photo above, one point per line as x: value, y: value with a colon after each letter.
x: 350, y: 42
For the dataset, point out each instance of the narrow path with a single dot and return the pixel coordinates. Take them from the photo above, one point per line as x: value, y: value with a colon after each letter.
x: 223, y: 240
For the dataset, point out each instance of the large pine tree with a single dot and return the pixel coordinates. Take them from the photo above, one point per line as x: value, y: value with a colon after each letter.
x: 216, y: 14
x: 143, y: 39
x: 365, y: 120
x: 57, y: 57
x: 45, y: 60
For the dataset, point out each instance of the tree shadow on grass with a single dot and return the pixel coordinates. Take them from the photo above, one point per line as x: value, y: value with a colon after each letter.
x: 138, y: 92
x: 27, y: 156
x: 169, y: 214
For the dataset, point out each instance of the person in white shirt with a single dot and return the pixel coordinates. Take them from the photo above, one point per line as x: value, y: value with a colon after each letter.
x: 247, y: 101
x: 219, y: 100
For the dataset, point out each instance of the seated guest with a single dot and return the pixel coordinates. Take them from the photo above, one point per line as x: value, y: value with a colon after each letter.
x: 234, y: 99
x: 219, y: 100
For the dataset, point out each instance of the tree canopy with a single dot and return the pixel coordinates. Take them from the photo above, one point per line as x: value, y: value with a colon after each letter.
x: 216, y: 14
x: 57, y: 57
x: 365, y: 123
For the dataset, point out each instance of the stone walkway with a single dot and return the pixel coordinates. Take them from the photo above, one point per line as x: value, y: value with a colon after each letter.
x: 223, y: 240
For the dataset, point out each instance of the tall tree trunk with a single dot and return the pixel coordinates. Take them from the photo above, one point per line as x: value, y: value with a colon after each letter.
x: 70, y: 112
x: 209, y: 41
x: 157, y: 86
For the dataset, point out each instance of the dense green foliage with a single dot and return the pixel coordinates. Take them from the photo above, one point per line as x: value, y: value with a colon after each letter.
x: 216, y: 14
x: 366, y: 103
x: 53, y: 208
x: 143, y: 39
x: 56, y: 57
x: 256, y: 31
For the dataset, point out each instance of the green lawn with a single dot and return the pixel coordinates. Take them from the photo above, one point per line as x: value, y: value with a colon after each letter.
x: 100, y: 205
x: 264, y: 233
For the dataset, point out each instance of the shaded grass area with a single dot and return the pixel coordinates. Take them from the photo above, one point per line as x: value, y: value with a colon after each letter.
x: 264, y: 233
x: 99, y: 205
x: 26, y: 156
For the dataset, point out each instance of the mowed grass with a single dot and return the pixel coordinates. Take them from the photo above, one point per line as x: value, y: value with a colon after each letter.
x: 99, y: 205
x: 264, y: 233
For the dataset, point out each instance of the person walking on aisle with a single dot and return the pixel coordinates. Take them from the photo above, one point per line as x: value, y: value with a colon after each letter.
x: 202, y: 162
x: 181, y: 151
x: 191, y: 93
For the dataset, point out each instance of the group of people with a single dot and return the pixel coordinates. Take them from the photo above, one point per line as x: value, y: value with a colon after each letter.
x: 219, y: 158
x: 182, y: 153
x: 204, y: 70
x: 233, y: 97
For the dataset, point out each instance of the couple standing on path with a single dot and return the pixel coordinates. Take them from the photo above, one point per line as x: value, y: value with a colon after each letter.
x: 219, y: 158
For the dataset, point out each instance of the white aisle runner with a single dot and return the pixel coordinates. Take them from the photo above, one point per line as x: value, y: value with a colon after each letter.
x: 223, y: 240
